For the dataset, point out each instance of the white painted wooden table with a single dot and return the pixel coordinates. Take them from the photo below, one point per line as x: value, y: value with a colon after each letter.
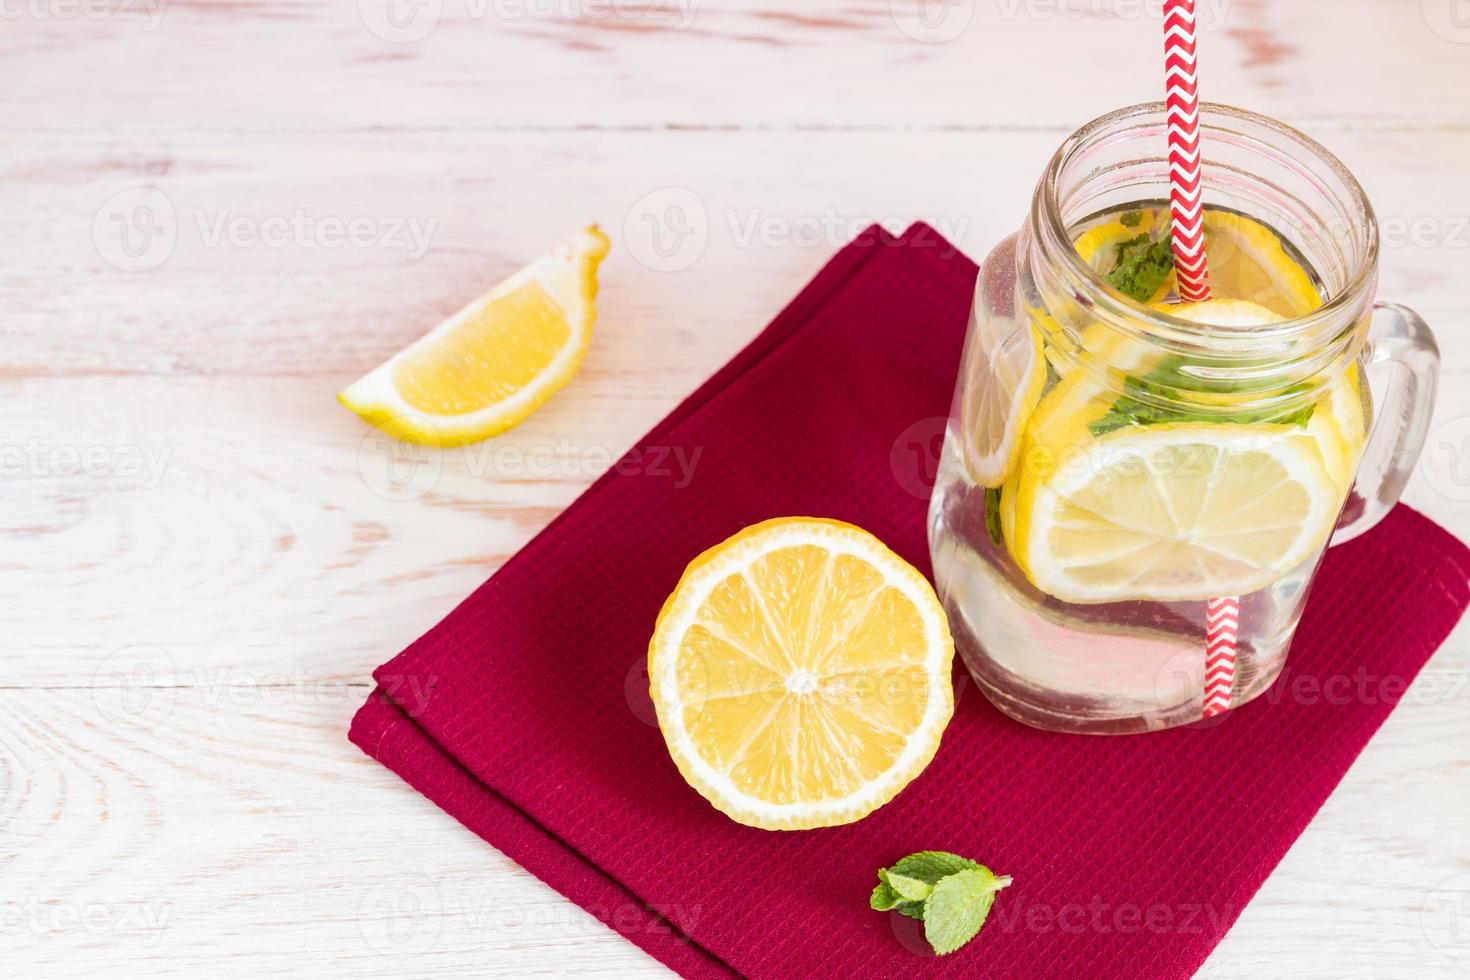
x: 218, y: 213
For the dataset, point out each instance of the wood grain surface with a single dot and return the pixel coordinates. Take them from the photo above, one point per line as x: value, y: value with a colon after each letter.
x: 220, y: 212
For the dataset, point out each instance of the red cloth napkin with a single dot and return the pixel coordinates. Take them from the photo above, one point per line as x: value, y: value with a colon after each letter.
x: 524, y: 714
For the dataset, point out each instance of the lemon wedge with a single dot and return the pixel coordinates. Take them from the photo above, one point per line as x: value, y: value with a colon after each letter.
x: 801, y: 674
x: 494, y: 362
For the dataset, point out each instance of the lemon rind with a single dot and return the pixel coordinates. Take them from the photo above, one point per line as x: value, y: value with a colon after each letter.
x: 679, y: 615
x: 375, y: 397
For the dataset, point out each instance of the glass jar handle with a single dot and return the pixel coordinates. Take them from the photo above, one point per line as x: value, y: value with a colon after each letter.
x: 1397, y: 336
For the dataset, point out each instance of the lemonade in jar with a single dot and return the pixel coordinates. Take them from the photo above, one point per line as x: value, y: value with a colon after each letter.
x: 1116, y: 458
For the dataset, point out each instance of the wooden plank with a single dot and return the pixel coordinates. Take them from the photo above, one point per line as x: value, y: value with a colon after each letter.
x: 259, y: 844
x: 257, y: 276
x: 179, y: 469
x: 237, y: 531
x: 202, y: 556
x: 262, y: 844
x: 307, y: 65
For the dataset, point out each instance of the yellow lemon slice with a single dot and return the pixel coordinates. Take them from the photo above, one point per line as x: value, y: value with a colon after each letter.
x: 1340, y: 425
x: 494, y: 362
x: 1174, y: 511
x: 1004, y: 377
x: 801, y: 674
x: 1222, y: 312
x: 1247, y: 261
x: 1338, y: 421
x: 1098, y: 245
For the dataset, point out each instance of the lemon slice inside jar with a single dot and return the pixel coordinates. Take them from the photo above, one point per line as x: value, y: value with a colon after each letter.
x: 1004, y: 377
x: 1174, y: 510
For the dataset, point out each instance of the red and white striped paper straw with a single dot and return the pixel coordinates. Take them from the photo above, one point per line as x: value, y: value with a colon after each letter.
x: 1187, y: 210
x: 1186, y: 188
x: 1222, y: 624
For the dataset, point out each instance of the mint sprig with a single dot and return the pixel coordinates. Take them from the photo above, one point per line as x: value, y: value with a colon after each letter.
x: 951, y: 895
x: 1140, y: 266
x: 1135, y: 408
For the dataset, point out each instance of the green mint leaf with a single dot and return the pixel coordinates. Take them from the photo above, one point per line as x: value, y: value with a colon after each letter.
x: 909, y: 889
x: 958, y: 907
x: 950, y: 894
x: 1140, y: 266
x: 1131, y: 410
x: 992, y: 515
x: 1130, y: 219
x: 930, y: 866
x: 884, y: 897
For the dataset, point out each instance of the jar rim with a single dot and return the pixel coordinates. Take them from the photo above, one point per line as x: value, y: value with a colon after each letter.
x: 1359, y: 283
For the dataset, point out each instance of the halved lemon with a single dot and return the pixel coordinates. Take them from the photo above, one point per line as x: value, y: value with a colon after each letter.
x: 494, y: 362
x: 1173, y: 511
x: 1004, y: 374
x: 801, y: 674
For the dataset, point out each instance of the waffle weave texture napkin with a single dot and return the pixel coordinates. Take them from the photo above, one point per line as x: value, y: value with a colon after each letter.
x: 525, y: 713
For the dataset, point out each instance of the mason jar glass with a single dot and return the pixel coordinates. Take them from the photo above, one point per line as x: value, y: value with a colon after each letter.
x: 1128, y: 482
